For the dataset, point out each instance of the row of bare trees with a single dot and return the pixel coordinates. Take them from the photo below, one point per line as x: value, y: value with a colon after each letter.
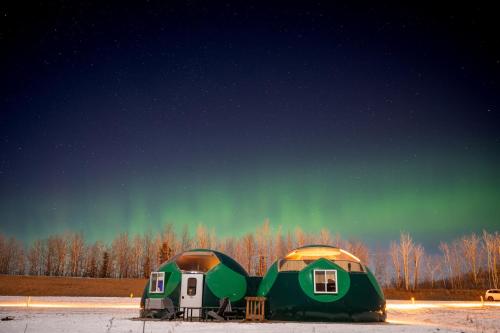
x: 471, y: 261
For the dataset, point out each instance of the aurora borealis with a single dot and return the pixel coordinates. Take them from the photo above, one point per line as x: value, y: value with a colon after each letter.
x: 366, y: 121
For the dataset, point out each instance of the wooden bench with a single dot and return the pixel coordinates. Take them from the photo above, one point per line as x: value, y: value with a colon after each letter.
x: 255, y: 308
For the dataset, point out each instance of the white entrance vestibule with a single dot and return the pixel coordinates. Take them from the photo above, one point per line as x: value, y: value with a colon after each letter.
x: 192, y: 292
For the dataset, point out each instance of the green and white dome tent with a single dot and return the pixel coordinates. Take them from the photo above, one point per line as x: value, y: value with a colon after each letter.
x: 321, y: 283
x: 198, y: 278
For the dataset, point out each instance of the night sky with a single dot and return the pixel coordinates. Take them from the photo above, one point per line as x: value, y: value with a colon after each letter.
x: 364, y: 120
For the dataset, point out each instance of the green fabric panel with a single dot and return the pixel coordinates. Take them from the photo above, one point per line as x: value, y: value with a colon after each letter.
x: 144, y: 294
x: 209, y: 299
x: 253, y: 283
x: 172, y: 279
x: 175, y: 295
x: 306, y: 280
x: 267, y: 282
x: 375, y: 284
x: 362, y: 295
x: 224, y: 282
x: 231, y: 263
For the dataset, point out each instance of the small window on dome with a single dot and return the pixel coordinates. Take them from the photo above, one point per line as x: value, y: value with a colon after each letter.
x: 325, y: 281
x: 157, y: 282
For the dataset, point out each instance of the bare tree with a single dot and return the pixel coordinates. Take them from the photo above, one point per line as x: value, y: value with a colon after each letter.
x: 230, y: 247
x: 418, y: 253
x: 157, y: 243
x: 445, y: 249
x: 120, y: 249
x: 263, y: 242
x: 239, y: 253
x: 75, y: 248
x: 249, y: 250
x: 5, y: 255
x: 169, y: 237
x: 52, y: 258
x: 185, y: 239
x: 289, y: 242
x: 60, y: 255
x: 202, y: 237
x: 405, y: 250
x: 380, y: 266
x: 36, y: 257
x: 20, y: 266
x: 10, y: 255
x: 433, y: 265
x: 491, y: 244
x: 457, y: 263
x: 279, y: 246
x: 136, y: 255
x: 93, y: 259
x: 300, y: 237
x: 212, y: 239
x: 324, y: 237
x: 55, y: 258
x: 470, y: 249
x: 394, y: 251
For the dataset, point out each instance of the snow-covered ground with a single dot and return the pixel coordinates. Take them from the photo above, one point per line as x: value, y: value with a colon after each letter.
x: 111, y: 314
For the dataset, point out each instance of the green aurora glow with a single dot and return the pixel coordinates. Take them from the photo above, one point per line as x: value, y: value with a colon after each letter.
x: 432, y: 198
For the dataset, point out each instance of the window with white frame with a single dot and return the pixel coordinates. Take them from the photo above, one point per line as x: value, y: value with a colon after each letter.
x: 157, y: 282
x: 325, y: 281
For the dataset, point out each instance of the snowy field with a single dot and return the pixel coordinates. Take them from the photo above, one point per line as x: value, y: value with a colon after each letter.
x: 110, y: 314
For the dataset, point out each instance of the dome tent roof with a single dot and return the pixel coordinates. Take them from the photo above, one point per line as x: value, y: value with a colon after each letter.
x: 203, y: 260
x: 315, y: 252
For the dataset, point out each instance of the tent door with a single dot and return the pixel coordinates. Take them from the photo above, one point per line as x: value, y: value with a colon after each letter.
x: 191, y: 293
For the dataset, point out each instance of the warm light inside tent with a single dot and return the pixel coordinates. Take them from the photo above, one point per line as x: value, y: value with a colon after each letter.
x: 197, y: 261
x: 316, y: 252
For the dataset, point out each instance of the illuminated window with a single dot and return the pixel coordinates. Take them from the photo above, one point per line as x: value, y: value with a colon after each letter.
x: 350, y: 266
x: 291, y: 265
x: 325, y: 281
x: 191, y: 290
x: 157, y: 282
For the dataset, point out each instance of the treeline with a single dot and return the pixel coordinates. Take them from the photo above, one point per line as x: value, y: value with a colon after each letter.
x: 471, y: 261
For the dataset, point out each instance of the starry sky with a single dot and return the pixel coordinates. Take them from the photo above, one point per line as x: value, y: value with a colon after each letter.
x: 363, y: 119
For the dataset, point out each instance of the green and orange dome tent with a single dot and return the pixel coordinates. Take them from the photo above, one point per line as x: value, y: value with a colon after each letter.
x: 222, y: 277
x: 321, y: 283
